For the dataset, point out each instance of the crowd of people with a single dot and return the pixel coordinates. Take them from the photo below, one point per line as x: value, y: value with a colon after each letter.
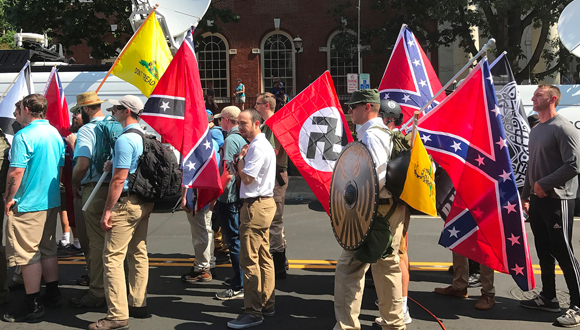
x: 112, y: 230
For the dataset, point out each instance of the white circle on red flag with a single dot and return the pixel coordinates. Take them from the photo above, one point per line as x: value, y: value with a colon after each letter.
x: 321, y: 139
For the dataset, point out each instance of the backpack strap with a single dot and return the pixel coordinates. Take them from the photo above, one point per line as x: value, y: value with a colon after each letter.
x: 134, y: 130
x: 398, y: 142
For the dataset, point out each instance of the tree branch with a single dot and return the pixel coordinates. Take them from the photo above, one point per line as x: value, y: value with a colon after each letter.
x: 529, y: 18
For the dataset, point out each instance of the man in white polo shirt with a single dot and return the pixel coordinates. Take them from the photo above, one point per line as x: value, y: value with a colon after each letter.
x: 256, y: 166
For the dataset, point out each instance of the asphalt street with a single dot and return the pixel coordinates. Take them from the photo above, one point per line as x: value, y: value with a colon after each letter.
x: 304, y: 299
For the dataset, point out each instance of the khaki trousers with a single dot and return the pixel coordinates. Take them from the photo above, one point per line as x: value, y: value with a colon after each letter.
x: 202, y: 239
x: 461, y: 275
x: 350, y: 281
x: 255, y: 258
x: 277, y: 238
x: 127, y: 238
x: 81, y: 229
x: 96, y: 236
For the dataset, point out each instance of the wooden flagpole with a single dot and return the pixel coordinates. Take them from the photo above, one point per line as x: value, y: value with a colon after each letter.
x: 414, y: 131
x: 127, y: 45
x: 13, y: 81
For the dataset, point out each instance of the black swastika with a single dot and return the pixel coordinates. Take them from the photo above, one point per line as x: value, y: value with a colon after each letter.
x: 329, y: 138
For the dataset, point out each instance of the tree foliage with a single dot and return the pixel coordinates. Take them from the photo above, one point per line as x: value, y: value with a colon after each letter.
x: 72, y: 22
x: 440, y: 23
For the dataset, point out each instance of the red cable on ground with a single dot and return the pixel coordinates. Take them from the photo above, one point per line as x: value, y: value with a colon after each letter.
x: 428, y: 311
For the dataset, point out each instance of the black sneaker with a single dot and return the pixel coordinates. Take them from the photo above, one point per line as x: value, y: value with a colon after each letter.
x: 29, y: 310
x: 269, y: 312
x: 72, y: 250
x: 222, y: 258
x: 62, y: 250
x: 52, y: 301
x: 227, y: 281
x: 230, y: 294
x: 542, y: 303
x: 245, y: 320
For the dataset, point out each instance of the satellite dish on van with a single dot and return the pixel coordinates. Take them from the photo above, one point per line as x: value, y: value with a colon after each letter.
x: 568, y: 27
x: 175, y: 16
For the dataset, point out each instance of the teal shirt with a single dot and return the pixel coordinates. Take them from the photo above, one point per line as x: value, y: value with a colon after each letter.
x: 128, y: 149
x: 38, y: 149
x: 232, y: 145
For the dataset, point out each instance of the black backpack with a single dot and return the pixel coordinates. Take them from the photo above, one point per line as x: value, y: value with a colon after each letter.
x: 158, y: 174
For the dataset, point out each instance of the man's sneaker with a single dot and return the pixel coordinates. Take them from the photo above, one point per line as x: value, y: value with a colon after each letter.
x: 197, y: 276
x: 269, y: 312
x: 407, y: 317
x: 72, y: 250
x: 474, y: 281
x: 380, y: 322
x: 245, y: 320
x: 87, y: 299
x: 29, y: 310
x: 222, y: 258
x: 61, y: 250
x: 227, y: 281
x: 539, y: 302
x: 571, y: 318
x: 106, y: 324
x: 52, y: 301
x: 230, y: 294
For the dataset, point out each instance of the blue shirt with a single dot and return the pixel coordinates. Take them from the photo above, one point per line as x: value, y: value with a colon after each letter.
x: 85, y: 145
x: 128, y: 149
x: 38, y: 149
x: 240, y: 88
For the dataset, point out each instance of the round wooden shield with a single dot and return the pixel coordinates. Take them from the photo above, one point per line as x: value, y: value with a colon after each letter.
x: 354, y: 195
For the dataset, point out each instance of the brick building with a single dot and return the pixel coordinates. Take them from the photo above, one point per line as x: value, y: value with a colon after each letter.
x: 260, y: 47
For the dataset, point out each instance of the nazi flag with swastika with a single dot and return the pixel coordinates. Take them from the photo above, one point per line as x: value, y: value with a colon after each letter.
x: 312, y: 129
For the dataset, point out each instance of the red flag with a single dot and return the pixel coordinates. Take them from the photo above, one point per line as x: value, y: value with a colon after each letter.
x: 57, y: 115
x: 57, y: 111
x: 465, y: 136
x: 409, y: 77
x: 176, y: 110
x: 313, y: 130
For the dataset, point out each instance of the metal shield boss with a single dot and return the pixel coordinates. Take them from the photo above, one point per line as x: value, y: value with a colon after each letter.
x: 354, y: 195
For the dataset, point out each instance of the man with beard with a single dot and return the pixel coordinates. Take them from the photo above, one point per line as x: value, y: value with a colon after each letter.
x: 84, y: 175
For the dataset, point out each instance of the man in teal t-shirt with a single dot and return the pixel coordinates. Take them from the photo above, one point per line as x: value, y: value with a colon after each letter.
x: 32, y: 201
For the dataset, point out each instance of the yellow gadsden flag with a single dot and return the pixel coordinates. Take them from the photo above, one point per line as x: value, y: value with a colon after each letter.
x: 419, y: 190
x: 145, y: 57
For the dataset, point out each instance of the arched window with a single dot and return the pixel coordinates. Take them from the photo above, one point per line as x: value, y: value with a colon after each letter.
x: 278, y: 62
x: 213, y: 64
x: 342, y: 58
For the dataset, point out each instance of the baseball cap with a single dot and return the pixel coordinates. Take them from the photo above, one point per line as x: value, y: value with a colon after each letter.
x: 230, y: 112
x: 130, y: 102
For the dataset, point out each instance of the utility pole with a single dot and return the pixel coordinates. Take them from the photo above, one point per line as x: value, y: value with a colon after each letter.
x: 358, y: 45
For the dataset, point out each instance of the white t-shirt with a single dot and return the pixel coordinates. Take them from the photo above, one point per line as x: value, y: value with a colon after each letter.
x: 260, y: 163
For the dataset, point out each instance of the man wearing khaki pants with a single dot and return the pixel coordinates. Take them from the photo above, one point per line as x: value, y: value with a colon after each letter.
x: 125, y: 221
x: 256, y: 166
x: 85, y: 175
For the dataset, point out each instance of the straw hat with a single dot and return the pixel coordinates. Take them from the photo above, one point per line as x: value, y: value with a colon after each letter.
x: 86, y: 99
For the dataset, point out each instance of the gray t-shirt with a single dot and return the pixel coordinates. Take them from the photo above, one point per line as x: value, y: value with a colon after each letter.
x: 554, y: 159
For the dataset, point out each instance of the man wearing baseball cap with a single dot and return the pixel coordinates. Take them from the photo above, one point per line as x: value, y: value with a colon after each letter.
x: 125, y: 220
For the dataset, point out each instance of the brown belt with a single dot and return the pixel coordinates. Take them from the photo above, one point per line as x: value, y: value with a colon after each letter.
x: 250, y: 200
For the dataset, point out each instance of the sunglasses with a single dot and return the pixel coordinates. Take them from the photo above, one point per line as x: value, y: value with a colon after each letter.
x: 118, y: 107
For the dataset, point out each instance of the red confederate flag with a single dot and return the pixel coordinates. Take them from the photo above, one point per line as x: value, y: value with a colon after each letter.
x: 58, y: 116
x: 465, y: 136
x: 409, y: 78
x: 176, y: 110
x: 313, y: 130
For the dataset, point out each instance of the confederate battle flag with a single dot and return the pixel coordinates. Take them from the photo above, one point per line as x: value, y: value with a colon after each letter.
x: 409, y: 78
x: 176, y: 110
x: 313, y: 130
x: 465, y: 136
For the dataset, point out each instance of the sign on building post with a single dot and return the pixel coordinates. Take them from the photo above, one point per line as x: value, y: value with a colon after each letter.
x: 351, y: 82
x: 365, y: 81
